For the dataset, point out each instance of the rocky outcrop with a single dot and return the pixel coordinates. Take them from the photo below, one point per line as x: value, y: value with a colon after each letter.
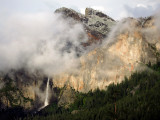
x: 128, y: 51
x: 25, y: 82
x: 96, y: 23
x: 66, y: 97
x: 31, y: 85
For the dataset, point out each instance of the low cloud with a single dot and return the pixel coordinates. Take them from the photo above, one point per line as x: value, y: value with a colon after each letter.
x: 41, y: 41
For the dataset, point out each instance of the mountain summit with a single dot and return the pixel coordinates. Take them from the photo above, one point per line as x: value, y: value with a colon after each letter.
x: 96, y: 23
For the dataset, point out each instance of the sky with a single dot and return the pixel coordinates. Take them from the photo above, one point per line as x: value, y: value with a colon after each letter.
x: 117, y: 9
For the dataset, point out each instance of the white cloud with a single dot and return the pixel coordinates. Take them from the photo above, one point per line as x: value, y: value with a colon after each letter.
x: 82, y: 10
x: 100, y: 8
x: 39, y: 42
x: 141, y: 5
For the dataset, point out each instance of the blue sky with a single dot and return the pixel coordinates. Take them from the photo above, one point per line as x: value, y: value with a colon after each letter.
x: 117, y: 9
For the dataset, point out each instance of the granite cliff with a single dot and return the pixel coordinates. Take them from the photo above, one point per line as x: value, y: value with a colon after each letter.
x: 128, y: 51
x: 125, y: 47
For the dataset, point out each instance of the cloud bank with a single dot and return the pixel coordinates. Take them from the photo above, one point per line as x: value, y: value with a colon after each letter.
x: 42, y: 41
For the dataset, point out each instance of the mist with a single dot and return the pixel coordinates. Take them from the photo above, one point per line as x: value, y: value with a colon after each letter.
x: 47, y: 42
x: 42, y: 41
x: 112, y: 64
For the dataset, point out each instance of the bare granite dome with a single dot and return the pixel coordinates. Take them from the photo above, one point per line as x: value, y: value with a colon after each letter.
x: 96, y: 23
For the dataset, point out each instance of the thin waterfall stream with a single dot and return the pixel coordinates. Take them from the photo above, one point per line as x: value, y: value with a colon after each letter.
x: 47, y: 91
x: 46, y: 102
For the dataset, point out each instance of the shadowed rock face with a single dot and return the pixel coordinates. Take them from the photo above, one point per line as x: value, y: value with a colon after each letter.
x: 32, y: 85
x: 25, y: 82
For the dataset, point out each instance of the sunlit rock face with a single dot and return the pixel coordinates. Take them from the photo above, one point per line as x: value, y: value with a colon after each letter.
x: 129, y: 51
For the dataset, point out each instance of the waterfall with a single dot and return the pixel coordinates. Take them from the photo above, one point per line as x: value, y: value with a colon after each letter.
x: 47, y: 90
x: 46, y: 97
